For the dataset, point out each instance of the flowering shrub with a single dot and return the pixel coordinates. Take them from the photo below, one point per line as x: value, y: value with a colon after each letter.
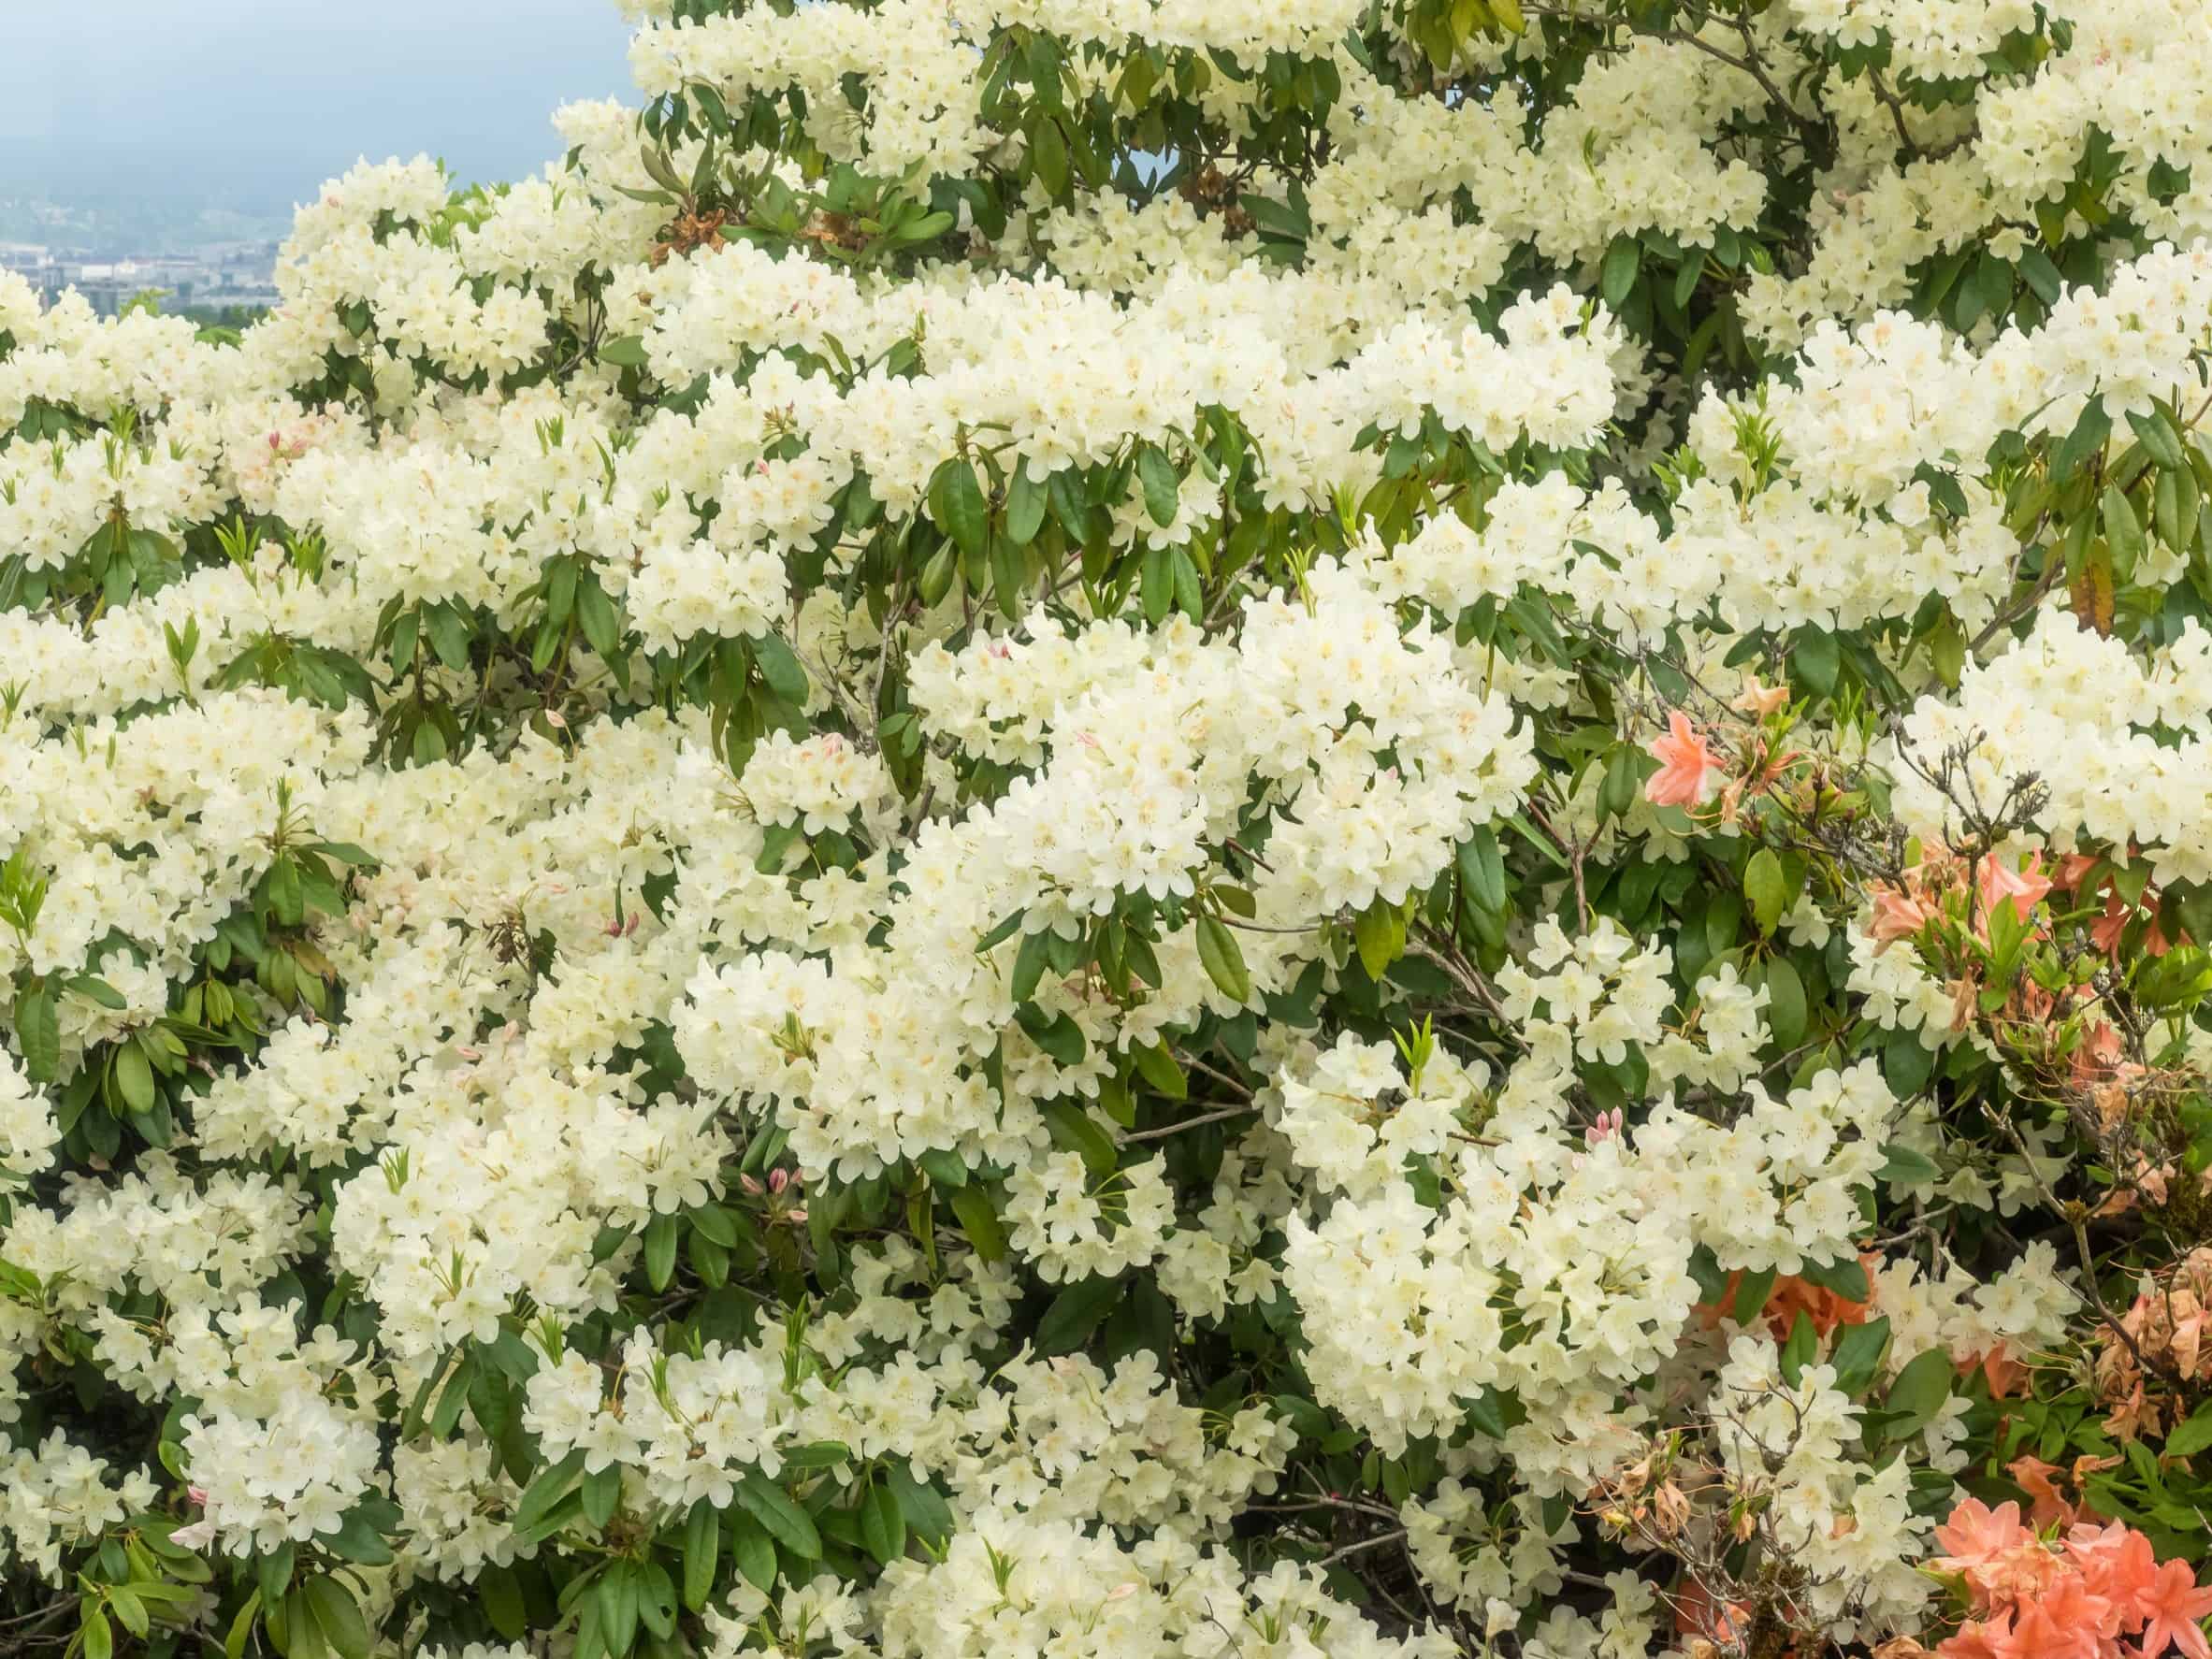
x: 1355, y: 827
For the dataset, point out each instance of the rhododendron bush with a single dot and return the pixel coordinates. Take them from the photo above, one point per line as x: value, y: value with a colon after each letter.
x: 1114, y: 827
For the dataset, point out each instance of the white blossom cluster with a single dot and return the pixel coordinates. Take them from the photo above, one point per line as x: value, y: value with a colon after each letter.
x: 589, y: 988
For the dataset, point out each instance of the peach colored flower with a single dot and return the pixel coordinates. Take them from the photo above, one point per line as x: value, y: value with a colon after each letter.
x: 2065, y: 1622
x: 1998, y: 1367
x: 1991, y: 1639
x: 2024, y: 886
x: 2115, y: 1561
x: 1686, y: 766
x: 2176, y: 1610
x: 1759, y: 701
x: 1975, y: 1535
x: 2034, y: 1477
x: 1895, y: 916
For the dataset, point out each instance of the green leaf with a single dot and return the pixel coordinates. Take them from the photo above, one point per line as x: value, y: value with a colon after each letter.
x: 2040, y: 275
x: 1060, y: 1037
x: 1815, y: 658
x: 1073, y: 1129
x: 1617, y: 276
x: 242, y: 1626
x: 979, y: 1221
x: 501, y: 1596
x: 134, y: 1076
x: 928, y: 1515
x: 2123, y: 533
x: 1785, y: 1001
x: 1000, y: 934
x: 1482, y: 871
x: 2193, y: 1434
x: 99, y: 1638
x: 618, y: 1595
x: 331, y: 1605
x: 781, y: 668
x: 1920, y: 1392
x: 1223, y: 961
x: 1767, y: 887
x: 1846, y: 1278
x: 712, y: 1222
x: 1803, y: 1344
x: 1162, y: 1074
x: 357, y: 1539
x: 449, y: 635
x: 1074, y: 1314
x: 1026, y: 501
x: 2086, y: 438
x: 753, y: 1551
x: 625, y: 352
x: 1030, y: 962
x: 547, y: 1490
x: 1752, y: 1292
x: 1379, y: 932
x: 1857, y: 1354
x: 787, y: 1522
x: 273, y: 1571
x: 603, y: 1494
x: 1162, y: 489
x: 39, y: 1032
x: 660, y: 1251
x: 1904, y: 1167
x: 883, y: 1525
x: 2160, y: 441
x: 99, y: 990
x: 656, y: 1600
x: 596, y: 614
x: 1906, y: 1065
x: 958, y: 500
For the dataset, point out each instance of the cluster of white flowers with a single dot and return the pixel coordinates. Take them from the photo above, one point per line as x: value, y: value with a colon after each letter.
x: 2137, y: 768
x: 1028, y: 971
x: 1848, y: 1525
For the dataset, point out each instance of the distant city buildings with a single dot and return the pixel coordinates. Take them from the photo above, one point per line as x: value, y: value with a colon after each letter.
x: 211, y: 279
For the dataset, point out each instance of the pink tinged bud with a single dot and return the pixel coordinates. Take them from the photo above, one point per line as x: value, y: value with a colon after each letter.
x: 750, y: 1185
x: 797, y: 1217
x: 198, y: 1494
x: 633, y: 925
x: 778, y: 1179
x: 470, y: 1053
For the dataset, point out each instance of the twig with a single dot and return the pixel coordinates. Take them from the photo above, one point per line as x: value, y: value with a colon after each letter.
x: 1225, y: 1112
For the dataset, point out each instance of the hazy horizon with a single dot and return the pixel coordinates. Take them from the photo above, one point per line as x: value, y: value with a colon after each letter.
x: 248, y: 106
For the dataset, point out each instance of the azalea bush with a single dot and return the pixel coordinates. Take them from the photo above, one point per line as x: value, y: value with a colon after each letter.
x: 1354, y: 827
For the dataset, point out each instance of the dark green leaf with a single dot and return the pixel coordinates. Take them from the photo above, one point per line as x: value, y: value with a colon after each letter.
x: 786, y: 1521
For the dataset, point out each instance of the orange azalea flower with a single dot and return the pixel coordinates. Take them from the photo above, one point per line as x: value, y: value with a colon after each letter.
x: 1895, y: 916
x: 2024, y: 886
x: 2003, y: 1373
x: 2176, y: 1608
x: 1793, y: 1295
x: 1686, y: 766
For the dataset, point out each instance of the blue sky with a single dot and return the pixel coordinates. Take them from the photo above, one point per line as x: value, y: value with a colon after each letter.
x: 253, y: 103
